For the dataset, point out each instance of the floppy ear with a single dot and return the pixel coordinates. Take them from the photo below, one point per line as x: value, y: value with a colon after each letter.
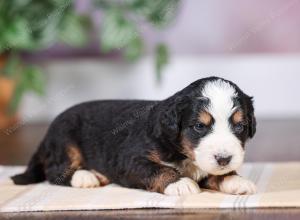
x: 170, y: 115
x: 251, y: 118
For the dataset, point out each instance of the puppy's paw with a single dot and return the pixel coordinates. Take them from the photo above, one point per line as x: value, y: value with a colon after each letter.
x: 84, y: 179
x: 184, y: 186
x: 237, y: 185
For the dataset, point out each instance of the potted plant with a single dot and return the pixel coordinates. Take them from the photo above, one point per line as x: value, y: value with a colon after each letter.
x: 6, y: 92
x: 28, y: 25
x: 32, y: 25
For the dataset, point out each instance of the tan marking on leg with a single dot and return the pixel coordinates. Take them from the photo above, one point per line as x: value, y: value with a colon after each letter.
x: 102, y: 179
x: 188, y: 169
x: 162, y: 180
x: 205, y: 118
x: 237, y: 117
x: 75, y: 156
x: 213, y: 182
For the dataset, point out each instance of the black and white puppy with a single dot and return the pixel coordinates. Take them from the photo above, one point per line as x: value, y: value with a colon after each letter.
x: 194, y: 138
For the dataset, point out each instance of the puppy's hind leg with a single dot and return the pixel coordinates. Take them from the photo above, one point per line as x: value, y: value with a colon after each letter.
x: 81, y: 177
x: 61, y: 166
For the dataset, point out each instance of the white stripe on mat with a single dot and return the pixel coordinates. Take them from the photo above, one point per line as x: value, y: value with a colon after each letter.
x: 253, y: 201
x: 255, y: 176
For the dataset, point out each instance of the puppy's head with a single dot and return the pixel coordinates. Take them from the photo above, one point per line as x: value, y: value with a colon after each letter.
x: 210, y: 121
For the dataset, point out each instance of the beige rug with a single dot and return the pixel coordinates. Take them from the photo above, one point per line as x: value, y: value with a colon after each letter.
x: 278, y: 186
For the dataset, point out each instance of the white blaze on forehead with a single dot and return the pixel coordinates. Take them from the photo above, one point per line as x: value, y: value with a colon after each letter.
x: 220, y: 94
x: 221, y: 106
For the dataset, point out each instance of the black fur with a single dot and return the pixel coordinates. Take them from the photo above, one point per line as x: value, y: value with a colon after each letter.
x: 115, y: 138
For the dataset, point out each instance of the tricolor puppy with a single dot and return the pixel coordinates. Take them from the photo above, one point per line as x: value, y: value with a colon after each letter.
x: 195, y: 138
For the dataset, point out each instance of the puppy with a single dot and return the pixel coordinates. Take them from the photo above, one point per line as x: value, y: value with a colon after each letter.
x: 193, y: 138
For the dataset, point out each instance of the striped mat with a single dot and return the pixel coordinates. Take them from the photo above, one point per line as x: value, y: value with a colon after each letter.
x: 278, y: 186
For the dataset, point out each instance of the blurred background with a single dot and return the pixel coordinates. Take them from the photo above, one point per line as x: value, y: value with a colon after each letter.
x: 56, y: 53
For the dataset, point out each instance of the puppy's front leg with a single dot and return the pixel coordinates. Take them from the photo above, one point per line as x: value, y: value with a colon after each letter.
x: 162, y: 179
x: 238, y: 185
x: 230, y: 183
x: 169, y: 182
x: 184, y: 186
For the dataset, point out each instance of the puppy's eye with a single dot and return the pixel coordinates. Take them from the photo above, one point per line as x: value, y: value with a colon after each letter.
x: 238, y: 128
x: 199, y: 127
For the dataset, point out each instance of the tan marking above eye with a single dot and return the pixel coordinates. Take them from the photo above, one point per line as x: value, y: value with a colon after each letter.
x: 237, y: 117
x: 205, y: 118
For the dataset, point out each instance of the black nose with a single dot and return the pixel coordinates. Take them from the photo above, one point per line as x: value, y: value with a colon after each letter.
x: 223, y: 160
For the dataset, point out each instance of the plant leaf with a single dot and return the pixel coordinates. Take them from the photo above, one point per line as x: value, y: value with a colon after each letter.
x: 161, y: 59
x: 117, y: 31
x: 73, y: 30
x: 105, y: 4
x: 45, y: 33
x: 30, y: 79
x: 33, y: 79
x: 20, y: 3
x: 16, y: 99
x: 17, y: 34
x: 158, y: 12
x: 11, y: 65
x: 134, y: 49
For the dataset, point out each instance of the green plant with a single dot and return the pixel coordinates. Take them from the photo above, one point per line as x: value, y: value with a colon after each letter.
x: 31, y: 25
x: 27, y: 78
x: 122, y: 25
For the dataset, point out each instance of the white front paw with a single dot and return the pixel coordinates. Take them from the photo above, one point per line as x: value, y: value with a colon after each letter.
x: 84, y: 179
x: 237, y: 185
x: 184, y: 186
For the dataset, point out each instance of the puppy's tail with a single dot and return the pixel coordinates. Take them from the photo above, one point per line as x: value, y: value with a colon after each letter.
x: 33, y: 174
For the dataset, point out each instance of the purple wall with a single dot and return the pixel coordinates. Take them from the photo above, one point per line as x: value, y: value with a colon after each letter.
x: 234, y: 26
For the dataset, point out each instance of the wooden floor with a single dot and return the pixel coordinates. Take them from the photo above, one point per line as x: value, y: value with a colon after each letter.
x: 164, y: 214
x: 276, y: 140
